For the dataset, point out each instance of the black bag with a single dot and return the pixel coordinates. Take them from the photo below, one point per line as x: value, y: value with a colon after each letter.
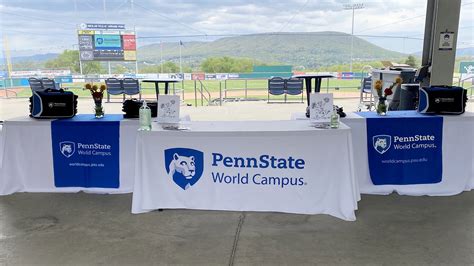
x: 442, y: 100
x: 131, y: 108
x: 52, y: 103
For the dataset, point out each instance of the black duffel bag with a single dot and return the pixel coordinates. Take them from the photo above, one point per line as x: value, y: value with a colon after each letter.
x: 131, y: 108
x: 442, y: 100
x: 52, y: 103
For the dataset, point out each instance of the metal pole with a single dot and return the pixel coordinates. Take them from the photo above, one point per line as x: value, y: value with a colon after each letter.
x: 353, y: 7
x: 220, y: 93
x: 352, y: 38
x: 180, y: 60
x: 132, y: 7
x: 161, y: 55
x: 80, y: 66
x: 245, y: 89
x: 225, y: 89
x: 105, y: 10
x: 195, y: 95
x: 202, y: 95
x: 427, y: 40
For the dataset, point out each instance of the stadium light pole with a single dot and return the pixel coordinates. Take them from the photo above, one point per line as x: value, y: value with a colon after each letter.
x: 353, y: 7
x: 80, y: 61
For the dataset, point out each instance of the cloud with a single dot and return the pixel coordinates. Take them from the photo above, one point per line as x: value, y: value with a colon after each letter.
x: 50, y: 25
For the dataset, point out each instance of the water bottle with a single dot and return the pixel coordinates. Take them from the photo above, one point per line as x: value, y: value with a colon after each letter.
x: 334, y: 119
x: 145, y: 117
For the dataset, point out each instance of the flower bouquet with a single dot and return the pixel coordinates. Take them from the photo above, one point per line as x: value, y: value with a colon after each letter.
x: 383, y: 94
x: 97, y: 94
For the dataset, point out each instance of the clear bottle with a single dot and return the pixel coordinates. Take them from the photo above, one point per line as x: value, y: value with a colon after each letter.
x: 145, y: 117
x: 334, y: 119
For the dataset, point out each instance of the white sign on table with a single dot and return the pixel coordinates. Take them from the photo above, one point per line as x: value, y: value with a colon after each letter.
x: 168, y: 109
x: 321, y: 107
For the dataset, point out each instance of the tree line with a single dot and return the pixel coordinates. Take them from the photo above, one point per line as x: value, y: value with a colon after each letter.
x: 70, y: 59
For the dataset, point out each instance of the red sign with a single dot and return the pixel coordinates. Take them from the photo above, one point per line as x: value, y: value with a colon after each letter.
x: 198, y: 76
x: 129, y: 42
x: 298, y: 73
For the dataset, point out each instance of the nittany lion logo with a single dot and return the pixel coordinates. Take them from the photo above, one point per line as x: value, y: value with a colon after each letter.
x: 67, y: 148
x: 184, y: 166
x: 382, y: 143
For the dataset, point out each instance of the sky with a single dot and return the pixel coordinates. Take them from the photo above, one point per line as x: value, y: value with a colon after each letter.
x: 43, y: 26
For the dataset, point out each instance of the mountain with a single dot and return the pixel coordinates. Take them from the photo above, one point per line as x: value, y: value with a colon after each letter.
x: 464, y: 52
x: 310, y: 50
x: 34, y: 58
x: 460, y: 52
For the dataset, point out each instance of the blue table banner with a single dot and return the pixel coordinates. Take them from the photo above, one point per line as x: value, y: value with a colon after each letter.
x: 86, y: 151
x: 404, y: 148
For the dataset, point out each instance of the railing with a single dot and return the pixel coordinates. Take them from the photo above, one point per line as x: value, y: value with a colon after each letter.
x: 471, y: 88
x: 5, y: 88
x: 204, y: 93
x: 245, y: 88
x: 179, y: 91
x: 224, y: 90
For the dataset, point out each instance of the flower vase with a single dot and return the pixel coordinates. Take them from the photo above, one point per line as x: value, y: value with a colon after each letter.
x: 382, y: 106
x: 98, y: 110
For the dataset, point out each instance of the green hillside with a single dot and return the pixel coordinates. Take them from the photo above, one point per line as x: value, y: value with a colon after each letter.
x: 311, y: 50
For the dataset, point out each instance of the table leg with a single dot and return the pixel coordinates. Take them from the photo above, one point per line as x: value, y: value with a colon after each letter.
x: 157, y: 89
x: 308, y: 88
x: 317, y: 85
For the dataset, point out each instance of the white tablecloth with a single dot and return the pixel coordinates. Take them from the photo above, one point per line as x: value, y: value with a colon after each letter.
x: 2, y: 145
x: 27, y: 164
x: 458, y: 158
x: 325, y: 185
x: 28, y: 160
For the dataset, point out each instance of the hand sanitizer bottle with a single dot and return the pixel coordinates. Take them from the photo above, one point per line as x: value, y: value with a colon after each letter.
x: 145, y: 117
x: 334, y: 119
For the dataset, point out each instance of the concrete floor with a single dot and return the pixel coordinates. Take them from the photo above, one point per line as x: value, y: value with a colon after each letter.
x: 65, y: 229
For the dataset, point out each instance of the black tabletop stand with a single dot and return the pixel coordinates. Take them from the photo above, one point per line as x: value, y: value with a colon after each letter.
x: 317, y: 85
x: 157, y: 86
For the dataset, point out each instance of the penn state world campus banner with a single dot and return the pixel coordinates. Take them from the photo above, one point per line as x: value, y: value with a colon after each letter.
x: 86, y: 151
x: 404, y: 148
x: 236, y: 170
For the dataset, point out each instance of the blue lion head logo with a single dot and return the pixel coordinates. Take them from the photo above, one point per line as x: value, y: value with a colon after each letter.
x: 382, y: 143
x: 67, y: 148
x: 184, y: 166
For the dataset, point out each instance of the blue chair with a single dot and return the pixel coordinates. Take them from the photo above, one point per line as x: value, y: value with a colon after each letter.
x: 49, y: 84
x: 35, y: 84
x: 114, y: 87
x: 294, y: 87
x: 276, y: 87
x: 131, y: 87
x: 366, y: 94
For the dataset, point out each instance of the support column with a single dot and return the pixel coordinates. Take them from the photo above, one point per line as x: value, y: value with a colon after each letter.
x: 444, y: 16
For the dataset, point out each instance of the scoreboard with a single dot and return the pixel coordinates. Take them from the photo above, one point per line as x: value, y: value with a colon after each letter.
x: 102, y: 44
